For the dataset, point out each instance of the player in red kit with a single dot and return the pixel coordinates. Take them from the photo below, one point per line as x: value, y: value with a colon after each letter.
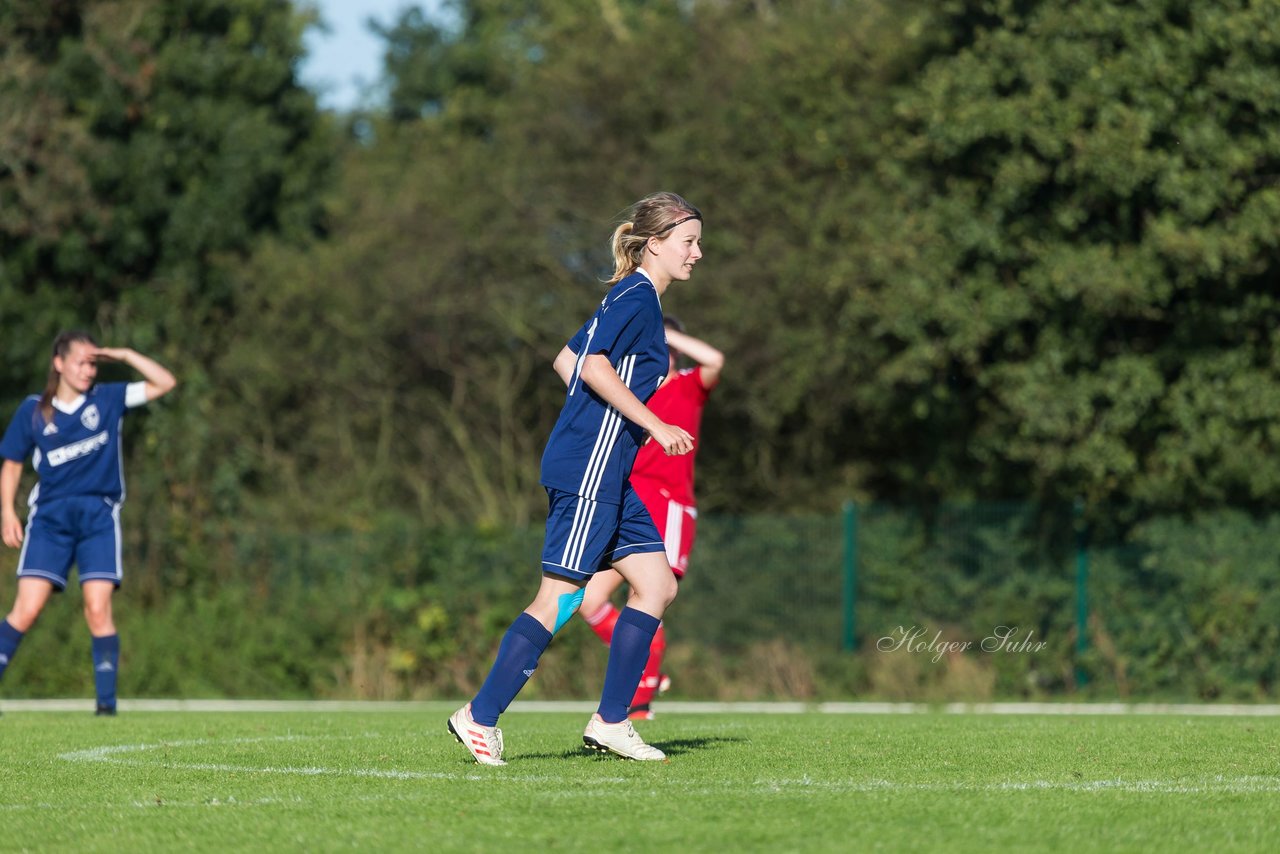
x: 665, y: 485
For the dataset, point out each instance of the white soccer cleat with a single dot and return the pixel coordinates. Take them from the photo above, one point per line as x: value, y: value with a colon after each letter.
x: 484, y: 742
x: 620, y: 738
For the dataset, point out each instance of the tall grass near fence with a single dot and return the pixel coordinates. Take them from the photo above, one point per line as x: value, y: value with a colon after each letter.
x: 961, y: 603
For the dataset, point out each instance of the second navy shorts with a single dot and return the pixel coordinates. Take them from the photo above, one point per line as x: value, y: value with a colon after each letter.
x: 83, y: 530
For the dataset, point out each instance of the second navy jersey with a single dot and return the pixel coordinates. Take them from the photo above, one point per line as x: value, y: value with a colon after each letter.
x: 77, y: 453
x: 592, y: 447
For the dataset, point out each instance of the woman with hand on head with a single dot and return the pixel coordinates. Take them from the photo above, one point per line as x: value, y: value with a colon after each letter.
x: 71, y: 433
x: 611, y: 366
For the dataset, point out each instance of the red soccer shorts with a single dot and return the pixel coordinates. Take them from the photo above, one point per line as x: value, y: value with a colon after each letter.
x: 677, y: 523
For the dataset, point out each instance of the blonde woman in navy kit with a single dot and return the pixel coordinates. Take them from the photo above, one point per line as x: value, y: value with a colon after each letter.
x: 72, y: 435
x: 614, y: 363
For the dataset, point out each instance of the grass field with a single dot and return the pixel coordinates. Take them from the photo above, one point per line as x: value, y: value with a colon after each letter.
x: 161, y: 781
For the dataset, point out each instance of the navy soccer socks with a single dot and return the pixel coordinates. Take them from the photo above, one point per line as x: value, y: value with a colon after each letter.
x: 518, y: 655
x: 628, y: 652
x: 106, y: 665
x: 9, y: 640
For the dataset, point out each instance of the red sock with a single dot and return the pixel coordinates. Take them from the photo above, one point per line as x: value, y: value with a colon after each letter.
x: 601, y: 622
x: 652, y: 669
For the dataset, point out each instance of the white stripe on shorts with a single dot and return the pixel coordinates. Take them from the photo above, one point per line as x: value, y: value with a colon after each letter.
x: 675, y: 521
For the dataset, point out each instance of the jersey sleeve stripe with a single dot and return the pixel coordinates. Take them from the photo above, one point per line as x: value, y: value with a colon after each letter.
x: 612, y: 426
x: 606, y: 438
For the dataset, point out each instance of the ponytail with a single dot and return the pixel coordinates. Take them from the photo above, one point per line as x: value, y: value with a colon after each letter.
x: 50, y: 389
x: 628, y: 250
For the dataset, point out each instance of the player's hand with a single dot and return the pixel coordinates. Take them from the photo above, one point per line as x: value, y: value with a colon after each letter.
x: 674, y: 440
x: 11, y: 528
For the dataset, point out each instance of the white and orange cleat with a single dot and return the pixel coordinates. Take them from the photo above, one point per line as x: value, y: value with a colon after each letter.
x: 484, y: 742
x: 620, y: 738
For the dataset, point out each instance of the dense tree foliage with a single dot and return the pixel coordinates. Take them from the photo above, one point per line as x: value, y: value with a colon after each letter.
x: 963, y: 249
x: 477, y: 222
x: 146, y: 148
x: 954, y: 250
x: 1073, y: 289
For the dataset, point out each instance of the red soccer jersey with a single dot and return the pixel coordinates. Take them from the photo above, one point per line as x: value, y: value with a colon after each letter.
x: 679, y: 402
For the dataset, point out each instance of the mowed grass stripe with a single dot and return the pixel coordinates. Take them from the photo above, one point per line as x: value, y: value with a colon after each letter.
x: 112, y: 755
x: 800, y: 782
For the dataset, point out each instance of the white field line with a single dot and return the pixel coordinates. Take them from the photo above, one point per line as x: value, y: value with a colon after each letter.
x: 124, y: 754
x: 128, y: 755
x: 672, y: 707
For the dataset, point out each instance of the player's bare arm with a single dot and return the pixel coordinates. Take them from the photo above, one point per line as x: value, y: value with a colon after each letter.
x: 564, y: 364
x: 159, y: 380
x: 710, y: 360
x: 10, y: 525
x: 604, y: 381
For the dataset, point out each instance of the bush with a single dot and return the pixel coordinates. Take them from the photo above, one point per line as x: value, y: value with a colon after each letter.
x: 1180, y: 609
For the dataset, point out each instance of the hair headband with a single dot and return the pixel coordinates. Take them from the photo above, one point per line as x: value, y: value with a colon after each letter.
x: 696, y: 216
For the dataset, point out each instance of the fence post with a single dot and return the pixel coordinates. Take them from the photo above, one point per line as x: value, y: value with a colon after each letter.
x: 850, y: 574
x: 1082, y: 589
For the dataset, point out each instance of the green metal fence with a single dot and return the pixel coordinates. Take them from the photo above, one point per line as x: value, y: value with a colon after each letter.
x: 839, y: 579
x: 1185, y: 607
x: 1176, y: 607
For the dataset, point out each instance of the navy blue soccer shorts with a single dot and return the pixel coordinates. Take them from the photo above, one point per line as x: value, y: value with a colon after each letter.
x: 584, y: 536
x: 83, y: 530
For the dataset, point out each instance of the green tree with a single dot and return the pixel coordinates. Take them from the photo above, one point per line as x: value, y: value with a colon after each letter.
x: 771, y: 121
x: 412, y: 349
x: 1070, y: 289
x: 409, y: 354
x: 145, y: 148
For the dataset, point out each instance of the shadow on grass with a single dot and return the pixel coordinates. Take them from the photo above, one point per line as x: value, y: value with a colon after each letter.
x: 678, y: 746
x: 671, y: 747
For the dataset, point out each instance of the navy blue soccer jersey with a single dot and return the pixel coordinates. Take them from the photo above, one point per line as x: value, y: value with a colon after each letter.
x: 592, y: 447
x: 78, y: 452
